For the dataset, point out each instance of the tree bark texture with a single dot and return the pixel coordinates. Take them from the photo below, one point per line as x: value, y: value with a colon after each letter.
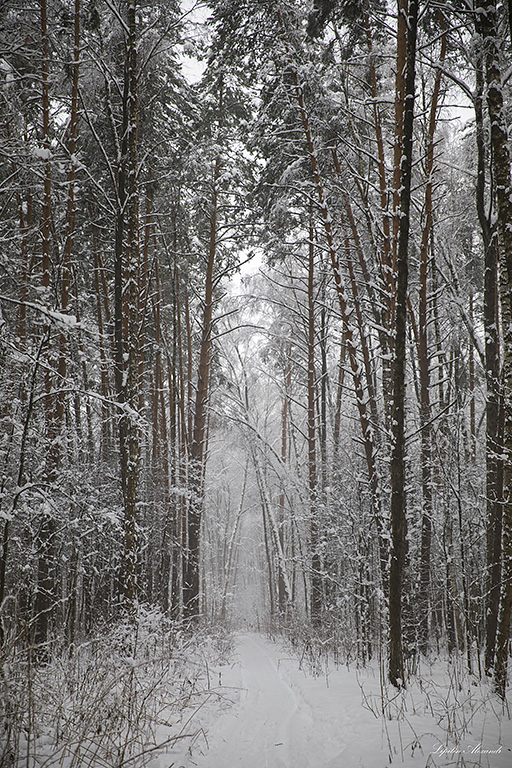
x: 398, y: 501
x: 126, y: 312
x: 488, y: 27
x: 191, y: 578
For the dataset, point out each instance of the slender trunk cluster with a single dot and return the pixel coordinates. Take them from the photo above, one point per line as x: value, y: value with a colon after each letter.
x: 350, y: 343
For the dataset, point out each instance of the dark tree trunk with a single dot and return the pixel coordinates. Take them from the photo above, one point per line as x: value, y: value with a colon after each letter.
x: 398, y: 509
x: 493, y: 433
x: 191, y: 577
x: 126, y: 313
x: 487, y: 25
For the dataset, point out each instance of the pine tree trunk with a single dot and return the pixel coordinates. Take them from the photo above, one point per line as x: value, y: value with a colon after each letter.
x: 487, y: 25
x: 398, y: 510
x: 316, y: 578
x: 401, y: 93
x: 126, y: 314
x: 105, y: 444
x: 493, y: 433
x: 191, y: 579
x: 386, y: 266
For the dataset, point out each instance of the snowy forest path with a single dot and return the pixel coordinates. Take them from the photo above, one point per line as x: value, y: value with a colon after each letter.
x: 289, y: 715
x: 273, y: 726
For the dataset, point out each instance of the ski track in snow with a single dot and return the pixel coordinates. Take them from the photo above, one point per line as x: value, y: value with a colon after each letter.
x: 273, y: 726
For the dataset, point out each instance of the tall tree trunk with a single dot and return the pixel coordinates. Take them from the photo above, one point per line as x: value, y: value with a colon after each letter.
x: 487, y: 25
x: 126, y: 314
x: 493, y: 434
x: 424, y: 366
x: 191, y: 580
x: 401, y: 94
x: 180, y: 437
x: 316, y: 578
x: 281, y: 586
x: 105, y: 444
x: 398, y: 511
x: 65, y: 293
x: 160, y: 448
x: 45, y: 537
x: 387, y: 258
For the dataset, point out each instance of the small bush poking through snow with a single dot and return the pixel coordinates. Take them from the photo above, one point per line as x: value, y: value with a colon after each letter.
x: 445, y: 717
x: 118, y: 699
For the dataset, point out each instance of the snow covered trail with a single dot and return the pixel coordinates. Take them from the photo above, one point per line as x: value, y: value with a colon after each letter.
x: 273, y: 726
x: 343, y: 717
x: 265, y: 731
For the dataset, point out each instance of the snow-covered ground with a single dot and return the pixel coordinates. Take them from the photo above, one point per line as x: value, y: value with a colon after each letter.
x: 158, y: 699
x: 278, y: 715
